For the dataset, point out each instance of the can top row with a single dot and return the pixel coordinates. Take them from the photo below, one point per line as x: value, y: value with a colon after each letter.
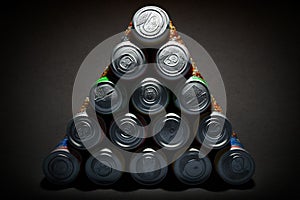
x: 128, y: 60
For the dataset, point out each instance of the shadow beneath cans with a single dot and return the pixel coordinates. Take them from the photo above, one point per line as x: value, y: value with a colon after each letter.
x: 214, y: 184
x: 127, y: 184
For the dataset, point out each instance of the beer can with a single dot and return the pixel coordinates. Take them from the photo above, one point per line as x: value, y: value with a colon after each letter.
x: 171, y: 131
x: 127, y: 60
x: 62, y: 166
x: 150, y: 97
x: 84, y: 132
x: 105, y: 98
x: 214, y: 131
x: 127, y: 132
x: 104, y: 167
x: 150, y: 24
x: 192, y: 167
x: 193, y: 97
x: 173, y: 60
x: 148, y: 167
x: 235, y: 166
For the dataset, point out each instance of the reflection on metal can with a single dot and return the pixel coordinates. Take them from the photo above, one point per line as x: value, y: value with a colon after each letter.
x: 127, y: 132
x: 61, y: 167
x: 150, y: 97
x: 235, y: 166
x: 148, y: 167
x: 214, y: 131
x: 150, y: 22
x: 173, y: 60
x: 127, y: 60
x: 84, y: 132
x: 105, y: 98
x: 171, y: 131
x: 193, y: 96
x: 192, y: 168
x: 104, y: 168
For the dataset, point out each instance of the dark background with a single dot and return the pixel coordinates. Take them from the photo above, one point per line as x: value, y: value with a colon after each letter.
x: 254, y: 44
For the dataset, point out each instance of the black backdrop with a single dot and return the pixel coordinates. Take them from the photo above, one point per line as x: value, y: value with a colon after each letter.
x: 254, y: 44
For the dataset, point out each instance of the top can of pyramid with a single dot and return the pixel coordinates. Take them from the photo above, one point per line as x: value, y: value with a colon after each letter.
x: 150, y: 22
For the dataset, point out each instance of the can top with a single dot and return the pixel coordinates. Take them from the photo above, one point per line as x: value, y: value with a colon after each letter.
x: 103, y: 169
x: 150, y: 96
x: 61, y: 167
x: 194, y: 96
x: 84, y: 132
x: 214, y: 131
x: 127, y: 60
x: 172, y: 59
x: 171, y: 131
x: 127, y: 131
x: 105, y: 97
x: 236, y: 167
x: 150, y: 22
x: 148, y: 167
x: 192, y: 168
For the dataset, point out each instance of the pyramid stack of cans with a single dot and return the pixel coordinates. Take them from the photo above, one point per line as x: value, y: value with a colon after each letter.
x: 136, y: 112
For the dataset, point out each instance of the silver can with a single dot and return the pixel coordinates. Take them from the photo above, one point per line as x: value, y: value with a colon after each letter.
x: 148, y: 167
x: 214, y: 131
x: 150, y: 97
x: 84, y: 132
x: 127, y: 60
x: 192, y: 168
x: 105, y: 97
x: 193, y: 96
x: 105, y: 167
x: 62, y: 166
x: 172, y: 60
x: 150, y: 22
x: 127, y: 132
x: 235, y: 165
x: 171, y: 131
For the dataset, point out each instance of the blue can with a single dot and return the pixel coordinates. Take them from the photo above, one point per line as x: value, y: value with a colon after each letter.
x: 62, y: 166
x: 235, y: 166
